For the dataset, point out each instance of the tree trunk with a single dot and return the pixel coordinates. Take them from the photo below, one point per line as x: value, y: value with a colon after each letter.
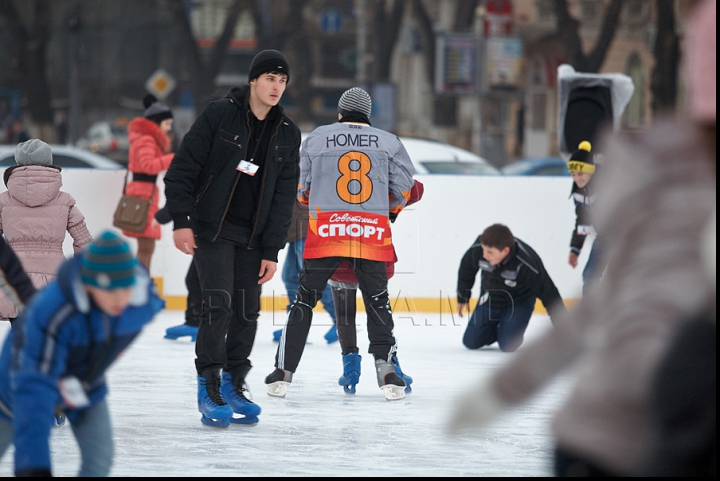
x: 667, y: 57
x: 30, y: 48
x: 202, y: 74
x: 568, y: 33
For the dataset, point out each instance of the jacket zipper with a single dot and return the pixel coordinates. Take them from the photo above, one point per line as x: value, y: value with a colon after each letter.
x: 262, y: 186
x: 237, y: 178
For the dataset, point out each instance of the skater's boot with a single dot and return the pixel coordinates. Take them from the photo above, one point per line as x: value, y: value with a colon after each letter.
x: 392, y: 385
x: 60, y: 418
x: 238, y: 397
x: 351, y: 372
x: 276, y: 335
x: 408, y: 380
x: 181, y: 331
x: 332, y: 335
x: 210, y: 402
x: 278, y: 381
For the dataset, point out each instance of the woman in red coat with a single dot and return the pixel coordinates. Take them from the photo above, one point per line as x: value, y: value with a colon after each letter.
x: 148, y: 156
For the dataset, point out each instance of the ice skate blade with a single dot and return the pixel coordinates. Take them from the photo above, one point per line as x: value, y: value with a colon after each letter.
x: 349, y: 389
x: 277, y: 388
x: 249, y: 420
x: 192, y: 337
x: 393, y: 392
x: 215, y: 423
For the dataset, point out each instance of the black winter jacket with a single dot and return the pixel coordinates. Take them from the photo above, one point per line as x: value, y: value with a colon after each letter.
x: 520, y: 277
x: 584, y: 198
x: 201, y: 180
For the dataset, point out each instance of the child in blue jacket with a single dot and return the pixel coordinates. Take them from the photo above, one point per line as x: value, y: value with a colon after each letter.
x: 55, y: 357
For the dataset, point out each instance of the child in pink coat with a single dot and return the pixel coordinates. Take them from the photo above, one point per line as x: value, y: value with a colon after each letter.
x: 35, y: 214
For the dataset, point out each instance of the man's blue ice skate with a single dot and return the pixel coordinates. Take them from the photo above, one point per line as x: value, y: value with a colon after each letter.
x: 214, y: 411
x: 408, y: 380
x: 332, y: 335
x: 351, y: 372
x: 181, y: 331
x: 237, y: 400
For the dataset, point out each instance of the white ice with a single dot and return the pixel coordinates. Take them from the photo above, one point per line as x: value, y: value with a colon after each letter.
x: 318, y: 430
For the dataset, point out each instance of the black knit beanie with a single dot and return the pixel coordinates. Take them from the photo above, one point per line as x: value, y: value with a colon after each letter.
x: 269, y: 61
x: 156, y: 111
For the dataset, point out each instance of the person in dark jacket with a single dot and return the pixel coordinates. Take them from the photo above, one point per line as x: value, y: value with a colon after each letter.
x: 513, y: 277
x: 230, y: 192
x: 14, y: 281
x: 55, y: 357
x: 582, y: 168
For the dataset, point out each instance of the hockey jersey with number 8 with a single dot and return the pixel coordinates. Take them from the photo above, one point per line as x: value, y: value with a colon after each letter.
x: 352, y: 177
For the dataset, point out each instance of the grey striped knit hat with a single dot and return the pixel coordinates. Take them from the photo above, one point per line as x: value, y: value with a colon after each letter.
x: 355, y: 100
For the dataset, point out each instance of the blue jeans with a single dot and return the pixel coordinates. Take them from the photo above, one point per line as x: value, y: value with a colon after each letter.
x: 594, y: 267
x: 93, y: 433
x: 506, y: 325
x: 291, y: 277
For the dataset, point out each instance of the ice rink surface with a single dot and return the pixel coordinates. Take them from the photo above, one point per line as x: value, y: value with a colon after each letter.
x: 318, y: 430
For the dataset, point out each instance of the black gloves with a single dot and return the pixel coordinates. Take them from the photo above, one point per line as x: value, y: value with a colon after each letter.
x: 393, y: 217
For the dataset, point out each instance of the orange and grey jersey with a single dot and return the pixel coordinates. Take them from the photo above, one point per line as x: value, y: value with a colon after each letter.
x: 352, y: 177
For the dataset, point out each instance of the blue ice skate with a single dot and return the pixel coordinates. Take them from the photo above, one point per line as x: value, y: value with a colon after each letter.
x: 351, y: 372
x: 237, y: 400
x: 60, y: 418
x: 215, y: 412
x: 408, y: 380
x: 181, y: 331
x: 332, y: 335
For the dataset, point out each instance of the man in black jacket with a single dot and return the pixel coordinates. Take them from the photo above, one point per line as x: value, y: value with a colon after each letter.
x: 230, y: 192
x: 513, y: 277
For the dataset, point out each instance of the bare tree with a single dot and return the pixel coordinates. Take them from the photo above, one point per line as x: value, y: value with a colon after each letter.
x: 385, y: 24
x: 568, y: 32
x: 31, y: 42
x: 667, y: 57
x: 203, y: 72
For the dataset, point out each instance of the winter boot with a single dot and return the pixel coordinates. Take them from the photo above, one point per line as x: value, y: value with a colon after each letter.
x: 238, y: 398
x: 332, y: 335
x: 351, y: 372
x: 181, y: 331
x: 392, y: 385
x: 278, y: 381
x: 408, y: 380
x: 210, y: 402
x: 277, y: 335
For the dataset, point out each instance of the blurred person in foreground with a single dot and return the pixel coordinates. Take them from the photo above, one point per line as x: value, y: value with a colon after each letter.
x: 656, y: 197
x: 56, y: 355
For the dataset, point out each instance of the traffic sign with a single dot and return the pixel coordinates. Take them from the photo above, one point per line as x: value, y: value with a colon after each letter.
x: 331, y: 21
x: 160, y: 84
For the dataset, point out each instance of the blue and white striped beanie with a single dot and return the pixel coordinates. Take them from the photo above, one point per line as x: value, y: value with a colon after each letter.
x: 108, y: 263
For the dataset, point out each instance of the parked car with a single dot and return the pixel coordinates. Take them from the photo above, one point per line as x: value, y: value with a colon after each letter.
x: 435, y: 157
x: 108, y: 139
x: 537, y: 166
x: 64, y: 156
